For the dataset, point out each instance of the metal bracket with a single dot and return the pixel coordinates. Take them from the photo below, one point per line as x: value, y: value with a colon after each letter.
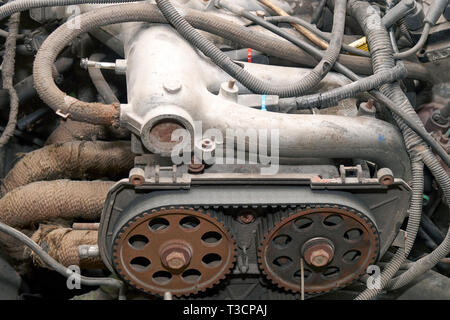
x: 400, y: 239
x: 347, y: 172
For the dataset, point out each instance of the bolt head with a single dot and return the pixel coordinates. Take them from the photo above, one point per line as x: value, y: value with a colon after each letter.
x: 176, y: 260
x: 320, y: 258
x: 247, y: 218
x: 318, y: 252
x: 175, y: 256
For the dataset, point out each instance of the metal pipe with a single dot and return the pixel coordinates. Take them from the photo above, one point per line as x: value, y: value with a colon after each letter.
x: 158, y: 56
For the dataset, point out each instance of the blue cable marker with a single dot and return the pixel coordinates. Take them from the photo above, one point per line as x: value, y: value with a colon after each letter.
x: 263, y: 103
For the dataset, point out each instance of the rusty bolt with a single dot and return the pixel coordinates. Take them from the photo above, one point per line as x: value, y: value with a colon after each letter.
x: 196, y: 166
x: 246, y: 217
x: 176, y: 256
x: 175, y: 260
x: 318, y: 252
x: 319, y: 258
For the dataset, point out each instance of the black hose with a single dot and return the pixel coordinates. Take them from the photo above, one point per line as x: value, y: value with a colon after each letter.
x: 147, y: 12
x: 382, y: 57
x: 412, y: 124
x: 318, y: 12
x: 332, y: 97
x: 418, y: 45
x: 243, y: 76
x: 25, y: 88
x: 431, y: 229
x: 33, y: 117
x: 406, y: 116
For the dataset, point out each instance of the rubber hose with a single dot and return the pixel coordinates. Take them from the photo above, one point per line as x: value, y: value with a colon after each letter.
x: 72, y: 160
x: 244, y: 77
x: 332, y: 97
x: 23, y: 5
x: 108, y: 114
x: 69, y: 131
x: 382, y: 57
x: 318, y: 12
x: 100, y: 82
x: 392, y: 106
x: 316, y: 31
x: 422, y: 40
x: 429, y: 261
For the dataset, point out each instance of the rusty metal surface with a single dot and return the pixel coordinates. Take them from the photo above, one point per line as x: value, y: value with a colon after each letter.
x: 161, y: 135
x: 348, y: 238
x: 177, y: 250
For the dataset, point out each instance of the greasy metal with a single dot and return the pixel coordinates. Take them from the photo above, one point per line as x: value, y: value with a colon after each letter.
x: 280, y: 250
x: 176, y: 251
x: 386, y: 204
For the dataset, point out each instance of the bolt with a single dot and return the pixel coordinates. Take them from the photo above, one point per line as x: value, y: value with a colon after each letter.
x: 196, y: 166
x: 231, y: 84
x: 176, y: 256
x: 246, y: 217
x: 319, y: 258
x: 318, y: 252
x: 175, y: 260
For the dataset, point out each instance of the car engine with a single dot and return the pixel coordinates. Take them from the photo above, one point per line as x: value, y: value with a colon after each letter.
x: 225, y: 149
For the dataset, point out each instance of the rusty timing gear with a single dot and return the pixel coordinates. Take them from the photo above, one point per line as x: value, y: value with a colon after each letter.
x: 178, y: 250
x: 336, y: 243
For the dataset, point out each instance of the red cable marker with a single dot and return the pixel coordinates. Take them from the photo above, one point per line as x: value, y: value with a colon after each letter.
x: 249, y: 55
